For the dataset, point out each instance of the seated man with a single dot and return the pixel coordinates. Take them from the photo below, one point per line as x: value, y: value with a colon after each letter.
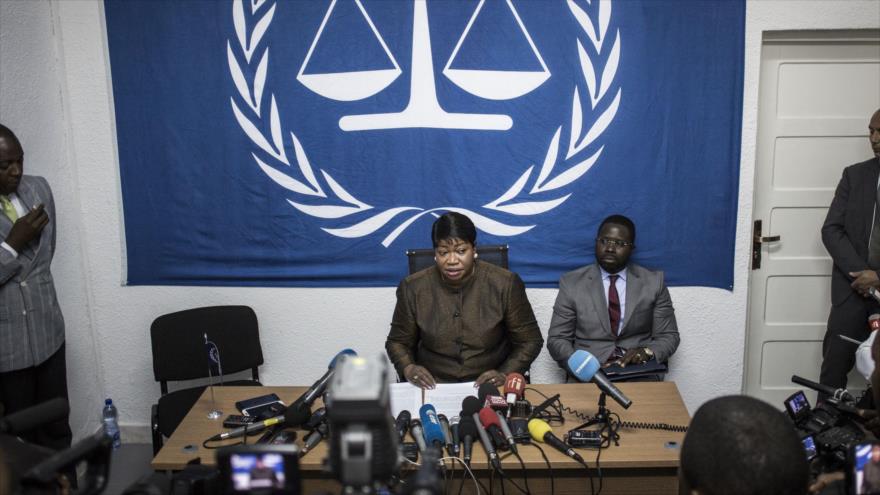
x: 739, y: 445
x: 616, y: 310
x: 461, y: 320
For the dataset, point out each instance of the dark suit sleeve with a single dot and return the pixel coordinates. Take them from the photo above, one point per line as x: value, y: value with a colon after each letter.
x: 664, y: 331
x: 522, y: 330
x: 404, y: 334
x: 560, y: 336
x: 834, y: 235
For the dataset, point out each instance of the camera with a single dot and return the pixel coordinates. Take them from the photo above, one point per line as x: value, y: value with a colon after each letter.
x: 827, y: 431
x: 259, y: 469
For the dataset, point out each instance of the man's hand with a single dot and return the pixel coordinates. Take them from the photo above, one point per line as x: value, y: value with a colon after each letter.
x: 493, y: 377
x: 419, y: 376
x: 864, y: 280
x: 27, y: 228
x: 825, y: 479
x: 873, y: 425
x: 637, y: 355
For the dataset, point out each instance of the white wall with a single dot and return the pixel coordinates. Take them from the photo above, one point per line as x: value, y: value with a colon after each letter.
x: 55, y: 93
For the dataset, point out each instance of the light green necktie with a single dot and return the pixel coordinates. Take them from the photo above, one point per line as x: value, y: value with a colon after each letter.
x: 8, y: 209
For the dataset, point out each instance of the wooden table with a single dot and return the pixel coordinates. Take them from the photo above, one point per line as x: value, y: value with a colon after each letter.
x: 646, y: 461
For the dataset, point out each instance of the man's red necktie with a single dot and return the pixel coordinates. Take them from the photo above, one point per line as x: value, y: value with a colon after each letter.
x: 613, y: 305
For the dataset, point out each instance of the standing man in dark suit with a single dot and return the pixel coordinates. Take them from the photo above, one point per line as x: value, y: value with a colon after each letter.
x: 32, y: 362
x: 851, y: 235
x: 616, y: 310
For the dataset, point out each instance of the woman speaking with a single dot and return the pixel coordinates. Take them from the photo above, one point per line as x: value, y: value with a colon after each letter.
x: 461, y: 319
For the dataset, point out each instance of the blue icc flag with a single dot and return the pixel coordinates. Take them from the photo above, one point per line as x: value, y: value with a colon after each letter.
x: 213, y: 358
x: 309, y: 143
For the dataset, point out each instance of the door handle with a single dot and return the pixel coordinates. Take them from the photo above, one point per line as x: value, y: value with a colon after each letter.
x: 757, y: 240
x: 772, y: 238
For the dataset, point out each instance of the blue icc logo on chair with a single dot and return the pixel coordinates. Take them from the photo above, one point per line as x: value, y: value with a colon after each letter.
x: 393, y: 111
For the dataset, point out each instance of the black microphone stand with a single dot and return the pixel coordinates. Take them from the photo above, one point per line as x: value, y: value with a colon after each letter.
x: 603, y: 417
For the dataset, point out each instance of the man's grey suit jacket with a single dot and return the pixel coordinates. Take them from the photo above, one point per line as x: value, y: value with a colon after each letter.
x: 580, y: 315
x: 31, y: 325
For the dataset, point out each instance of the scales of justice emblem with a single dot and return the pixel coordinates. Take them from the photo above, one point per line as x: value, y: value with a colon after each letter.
x: 424, y: 110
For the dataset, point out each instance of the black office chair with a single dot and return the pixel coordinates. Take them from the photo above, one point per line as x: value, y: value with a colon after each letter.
x: 419, y: 259
x: 179, y: 353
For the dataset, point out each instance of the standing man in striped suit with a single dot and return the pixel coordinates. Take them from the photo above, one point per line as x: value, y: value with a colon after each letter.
x: 32, y: 363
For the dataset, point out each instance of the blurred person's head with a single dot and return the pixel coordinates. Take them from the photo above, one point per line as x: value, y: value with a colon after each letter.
x: 739, y: 445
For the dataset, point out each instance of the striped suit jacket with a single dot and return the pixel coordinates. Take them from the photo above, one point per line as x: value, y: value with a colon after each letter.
x: 31, y: 325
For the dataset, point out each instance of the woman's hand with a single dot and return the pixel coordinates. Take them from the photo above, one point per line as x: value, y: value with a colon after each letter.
x: 419, y: 376
x: 493, y: 377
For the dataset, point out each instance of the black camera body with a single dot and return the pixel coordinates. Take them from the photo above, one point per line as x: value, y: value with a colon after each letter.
x: 827, y: 432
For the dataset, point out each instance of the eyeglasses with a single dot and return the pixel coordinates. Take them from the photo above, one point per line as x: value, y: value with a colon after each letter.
x: 613, y: 242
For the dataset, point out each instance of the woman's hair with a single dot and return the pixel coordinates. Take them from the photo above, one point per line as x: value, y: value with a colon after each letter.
x: 453, y: 225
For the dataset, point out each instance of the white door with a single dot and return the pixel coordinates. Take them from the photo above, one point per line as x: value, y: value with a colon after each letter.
x: 817, y: 94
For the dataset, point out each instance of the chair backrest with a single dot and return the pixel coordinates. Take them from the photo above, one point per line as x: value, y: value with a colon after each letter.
x: 178, y: 342
x: 419, y: 259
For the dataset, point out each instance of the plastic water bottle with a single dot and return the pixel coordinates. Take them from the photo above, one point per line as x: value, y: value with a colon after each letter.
x: 111, y: 423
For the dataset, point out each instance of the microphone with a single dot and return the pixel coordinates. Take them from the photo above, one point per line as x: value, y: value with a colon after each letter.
x: 447, y: 434
x: 541, y: 432
x: 315, y: 437
x: 490, y: 422
x: 519, y: 420
x: 305, y: 401
x: 316, y: 419
x: 470, y: 405
x: 838, y: 394
x: 468, y: 431
x: 415, y: 429
x: 514, y: 387
x: 865, y: 414
x: 511, y: 442
x: 41, y: 414
x: 487, y: 444
x: 248, y: 429
x: 585, y: 367
x: 874, y: 319
x: 456, y: 438
x: 491, y: 397
x: 401, y: 424
x: 431, y: 426
x: 542, y: 406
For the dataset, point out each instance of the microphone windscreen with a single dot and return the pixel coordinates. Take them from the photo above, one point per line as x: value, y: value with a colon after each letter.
x: 296, y: 416
x: 515, y: 384
x: 489, y: 418
x: 337, y: 357
x: 874, y: 321
x: 404, y: 417
x: 315, y: 419
x: 430, y: 424
x: 36, y: 416
x: 467, y: 427
x: 583, y: 365
x: 538, y: 428
x: 487, y: 389
x: 470, y: 405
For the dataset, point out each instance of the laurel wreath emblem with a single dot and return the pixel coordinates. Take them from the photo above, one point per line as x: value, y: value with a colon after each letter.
x: 250, y: 82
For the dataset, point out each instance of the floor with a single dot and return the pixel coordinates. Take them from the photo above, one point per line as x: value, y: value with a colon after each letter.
x: 128, y: 464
